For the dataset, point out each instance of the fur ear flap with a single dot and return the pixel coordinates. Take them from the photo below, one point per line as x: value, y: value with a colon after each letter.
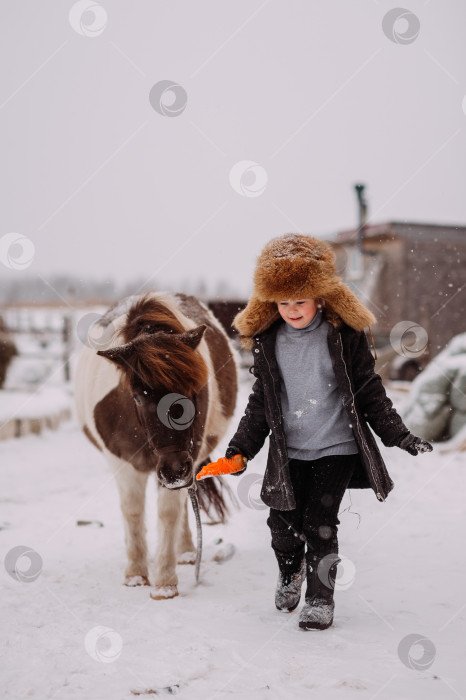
x: 349, y: 308
x: 119, y: 354
x: 255, y: 318
x: 193, y: 337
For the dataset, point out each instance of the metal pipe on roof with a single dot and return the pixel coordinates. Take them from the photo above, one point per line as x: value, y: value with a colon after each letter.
x: 362, y: 220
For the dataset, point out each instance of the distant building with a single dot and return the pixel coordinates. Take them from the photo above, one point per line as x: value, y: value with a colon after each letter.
x: 408, y: 272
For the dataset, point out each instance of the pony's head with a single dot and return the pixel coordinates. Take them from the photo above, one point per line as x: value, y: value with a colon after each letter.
x: 166, y: 377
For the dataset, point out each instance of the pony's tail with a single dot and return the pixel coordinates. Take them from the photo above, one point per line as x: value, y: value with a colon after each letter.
x: 212, y: 498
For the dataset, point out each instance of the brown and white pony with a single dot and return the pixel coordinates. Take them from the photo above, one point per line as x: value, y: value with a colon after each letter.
x: 155, y: 388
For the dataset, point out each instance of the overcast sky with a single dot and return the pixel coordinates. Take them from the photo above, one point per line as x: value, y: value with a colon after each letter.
x: 282, y: 106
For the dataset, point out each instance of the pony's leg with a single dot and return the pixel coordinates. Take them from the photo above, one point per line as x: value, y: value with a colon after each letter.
x: 185, y: 548
x: 132, y: 489
x: 169, y: 512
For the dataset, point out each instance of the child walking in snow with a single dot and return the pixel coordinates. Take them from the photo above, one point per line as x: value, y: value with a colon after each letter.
x: 315, y: 394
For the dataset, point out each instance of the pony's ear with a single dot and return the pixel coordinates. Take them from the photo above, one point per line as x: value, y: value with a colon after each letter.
x: 119, y: 354
x: 193, y: 337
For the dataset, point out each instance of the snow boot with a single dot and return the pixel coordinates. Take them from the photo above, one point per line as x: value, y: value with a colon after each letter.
x: 317, y: 612
x: 288, y: 590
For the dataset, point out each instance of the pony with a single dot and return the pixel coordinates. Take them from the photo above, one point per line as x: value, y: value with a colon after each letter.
x: 155, y: 388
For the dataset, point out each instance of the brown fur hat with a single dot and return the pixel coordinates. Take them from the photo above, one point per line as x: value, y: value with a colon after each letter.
x: 296, y: 266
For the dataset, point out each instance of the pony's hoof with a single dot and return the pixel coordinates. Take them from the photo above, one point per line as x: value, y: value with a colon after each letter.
x: 187, y: 558
x: 164, y: 592
x: 136, y: 581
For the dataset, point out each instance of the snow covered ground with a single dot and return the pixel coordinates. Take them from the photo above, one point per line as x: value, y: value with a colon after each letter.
x: 75, y: 632
x: 44, y: 401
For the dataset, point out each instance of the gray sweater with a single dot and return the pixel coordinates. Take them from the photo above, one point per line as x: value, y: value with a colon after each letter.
x: 315, y: 420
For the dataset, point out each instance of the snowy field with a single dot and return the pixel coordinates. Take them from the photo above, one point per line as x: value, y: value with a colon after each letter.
x: 75, y: 632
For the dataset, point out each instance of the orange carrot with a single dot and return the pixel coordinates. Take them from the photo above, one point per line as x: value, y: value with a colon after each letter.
x: 223, y: 465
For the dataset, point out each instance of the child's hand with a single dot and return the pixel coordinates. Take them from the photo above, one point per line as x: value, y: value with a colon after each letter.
x: 414, y: 445
x: 231, y: 452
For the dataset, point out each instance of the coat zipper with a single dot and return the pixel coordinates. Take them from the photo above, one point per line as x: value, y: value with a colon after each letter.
x: 279, y: 412
x: 364, y: 444
x: 273, y: 383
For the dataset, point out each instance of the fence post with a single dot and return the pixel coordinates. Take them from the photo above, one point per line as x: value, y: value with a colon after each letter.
x: 67, y: 338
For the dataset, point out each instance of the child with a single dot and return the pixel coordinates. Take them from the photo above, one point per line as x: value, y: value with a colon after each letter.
x: 315, y: 393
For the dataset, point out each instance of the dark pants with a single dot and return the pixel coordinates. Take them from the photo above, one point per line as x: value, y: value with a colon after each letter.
x: 311, y: 529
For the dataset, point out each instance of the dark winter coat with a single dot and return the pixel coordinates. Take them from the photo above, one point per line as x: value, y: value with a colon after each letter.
x: 363, y: 397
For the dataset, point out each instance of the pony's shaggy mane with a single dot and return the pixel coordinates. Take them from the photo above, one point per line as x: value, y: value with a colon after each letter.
x: 160, y: 358
x: 163, y: 360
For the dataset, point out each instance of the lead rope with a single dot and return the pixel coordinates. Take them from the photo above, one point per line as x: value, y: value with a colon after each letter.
x: 195, y: 504
x: 373, y: 344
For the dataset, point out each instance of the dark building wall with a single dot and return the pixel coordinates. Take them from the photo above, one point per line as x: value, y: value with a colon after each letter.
x: 388, y: 294
x: 435, y: 274
x: 423, y: 280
